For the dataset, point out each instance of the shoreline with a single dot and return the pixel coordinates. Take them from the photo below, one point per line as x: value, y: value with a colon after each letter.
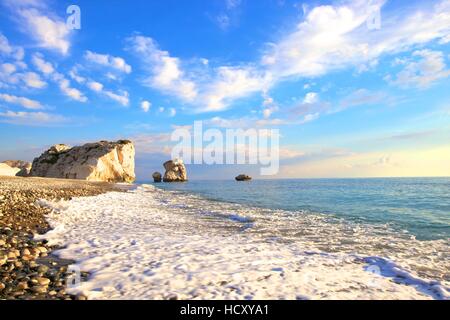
x: 147, y: 244
x: 27, y: 267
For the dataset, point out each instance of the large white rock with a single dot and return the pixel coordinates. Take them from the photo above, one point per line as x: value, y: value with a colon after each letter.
x: 6, y: 170
x: 99, y: 161
x: 23, y: 166
x: 175, y: 171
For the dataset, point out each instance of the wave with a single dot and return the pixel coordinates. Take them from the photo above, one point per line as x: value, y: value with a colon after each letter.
x: 156, y: 244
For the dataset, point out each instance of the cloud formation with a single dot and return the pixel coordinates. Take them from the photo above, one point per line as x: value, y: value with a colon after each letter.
x: 329, y: 38
x: 22, y: 101
x: 424, y: 69
x: 106, y: 60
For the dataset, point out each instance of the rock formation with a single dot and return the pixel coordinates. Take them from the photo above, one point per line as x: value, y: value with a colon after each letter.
x: 23, y: 166
x: 175, y: 171
x: 157, y: 176
x: 243, y: 177
x: 99, y: 161
x: 6, y: 170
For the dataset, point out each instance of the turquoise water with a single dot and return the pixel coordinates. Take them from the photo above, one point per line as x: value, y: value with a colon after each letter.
x: 420, y: 206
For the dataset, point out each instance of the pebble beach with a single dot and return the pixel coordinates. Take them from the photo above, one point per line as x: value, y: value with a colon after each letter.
x: 28, y: 270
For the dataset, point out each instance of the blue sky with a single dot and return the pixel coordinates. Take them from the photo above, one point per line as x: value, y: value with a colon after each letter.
x: 349, y: 100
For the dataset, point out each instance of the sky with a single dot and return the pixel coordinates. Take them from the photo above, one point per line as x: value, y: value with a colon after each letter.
x: 352, y: 93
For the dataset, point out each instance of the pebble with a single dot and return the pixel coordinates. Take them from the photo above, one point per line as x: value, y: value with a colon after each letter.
x: 43, y: 269
x: 42, y: 249
x: 43, y: 281
x: 22, y: 274
x: 39, y: 289
x: 22, y: 285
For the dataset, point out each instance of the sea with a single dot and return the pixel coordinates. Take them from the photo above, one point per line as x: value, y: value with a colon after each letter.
x: 381, y: 238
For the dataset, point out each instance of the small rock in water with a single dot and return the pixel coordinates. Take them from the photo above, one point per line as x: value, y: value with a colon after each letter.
x: 243, y: 177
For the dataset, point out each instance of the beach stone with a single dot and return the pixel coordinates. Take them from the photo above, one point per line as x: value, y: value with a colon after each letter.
x: 22, y: 285
x: 43, y: 281
x: 243, y: 177
x: 52, y: 293
x: 175, y: 171
x: 42, y: 249
x: 43, y: 269
x: 22, y: 219
x: 39, y: 289
x: 98, y: 161
x: 157, y: 177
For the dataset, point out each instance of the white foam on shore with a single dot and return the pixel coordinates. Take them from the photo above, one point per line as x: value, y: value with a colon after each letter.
x: 154, y: 244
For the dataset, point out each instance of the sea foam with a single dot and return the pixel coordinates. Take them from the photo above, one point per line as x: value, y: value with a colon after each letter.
x: 155, y: 244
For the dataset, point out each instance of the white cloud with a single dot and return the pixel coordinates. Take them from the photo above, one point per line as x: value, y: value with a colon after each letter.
x: 95, y: 86
x: 269, y: 107
x: 63, y: 83
x: 9, y: 50
x: 445, y: 40
x: 166, y: 73
x: 426, y: 68
x: 31, y: 118
x: 32, y: 80
x: 362, y: 97
x: 231, y: 4
x: 107, y: 60
x: 9, y: 77
x: 76, y: 77
x: 66, y: 89
x: 336, y: 37
x: 145, y: 105
x: 327, y: 39
x: 311, y: 97
x: 22, y: 101
x: 223, y: 21
x: 42, y: 65
x: 172, y: 112
x: 267, y: 113
x: 230, y: 83
x: 49, y: 32
x: 7, y: 68
x: 121, y: 97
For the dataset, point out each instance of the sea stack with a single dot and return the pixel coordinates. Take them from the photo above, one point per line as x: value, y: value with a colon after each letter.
x: 175, y: 171
x: 243, y: 177
x: 157, y: 177
x: 99, y: 161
